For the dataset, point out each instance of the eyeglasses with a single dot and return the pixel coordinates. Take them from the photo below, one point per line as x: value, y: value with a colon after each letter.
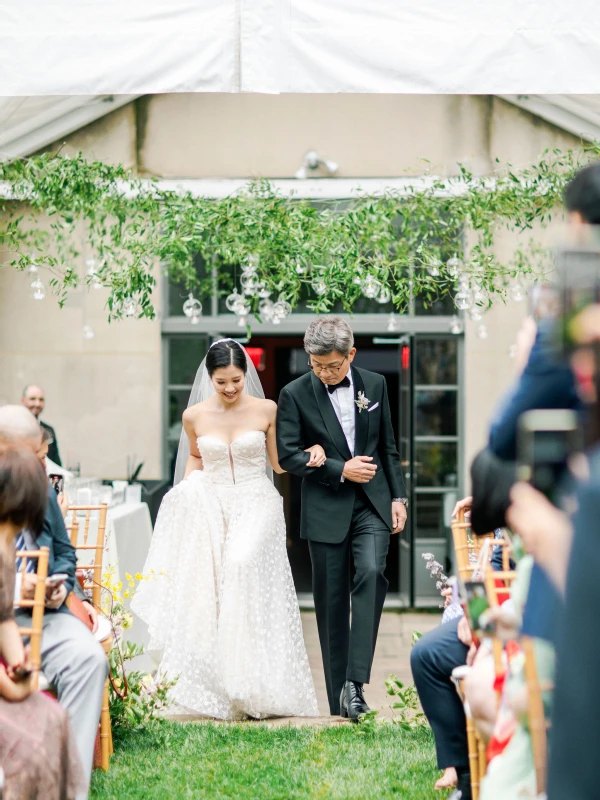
x: 334, y: 368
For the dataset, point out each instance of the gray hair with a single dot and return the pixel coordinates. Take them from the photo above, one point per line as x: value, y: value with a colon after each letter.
x: 327, y: 334
x: 17, y: 424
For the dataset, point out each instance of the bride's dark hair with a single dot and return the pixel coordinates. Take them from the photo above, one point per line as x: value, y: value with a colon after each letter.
x: 225, y: 354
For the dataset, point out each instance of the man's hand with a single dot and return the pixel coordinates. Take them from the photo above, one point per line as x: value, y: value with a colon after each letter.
x: 317, y: 456
x: 464, y: 632
x: 63, y: 504
x: 545, y: 531
x: 359, y: 469
x: 465, y: 503
x: 398, y: 517
x: 28, y: 584
x: 92, y: 614
x: 56, y: 597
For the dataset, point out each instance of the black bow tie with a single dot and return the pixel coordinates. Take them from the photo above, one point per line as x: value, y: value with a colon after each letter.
x: 344, y: 382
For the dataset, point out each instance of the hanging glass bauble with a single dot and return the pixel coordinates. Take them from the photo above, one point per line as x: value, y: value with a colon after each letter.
x: 192, y: 307
x: 384, y: 295
x: 319, y: 286
x: 463, y: 299
x: 262, y: 291
x: 91, y: 265
x: 482, y: 331
x: 39, y: 290
x: 454, y: 266
x: 516, y: 291
x: 433, y: 267
x: 195, y: 319
x: 463, y: 280
x: 281, y: 310
x: 512, y: 351
x: 357, y: 280
x: 242, y: 322
x: 477, y: 292
x: 88, y: 332
x: 251, y: 265
x: 475, y: 314
x: 300, y: 267
x: 130, y: 308
x: 456, y: 325
x: 232, y: 300
x: 250, y: 285
x: 242, y: 308
x: 370, y: 287
x: 391, y: 325
x: 32, y: 269
x: 265, y: 309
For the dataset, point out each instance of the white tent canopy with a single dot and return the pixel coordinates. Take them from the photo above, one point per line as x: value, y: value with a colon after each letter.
x: 86, y: 47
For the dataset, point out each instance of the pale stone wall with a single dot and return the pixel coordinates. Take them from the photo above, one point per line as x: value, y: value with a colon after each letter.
x: 104, y: 396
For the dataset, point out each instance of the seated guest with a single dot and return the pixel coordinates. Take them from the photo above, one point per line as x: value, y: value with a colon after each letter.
x: 72, y: 660
x: 33, y: 399
x: 38, y: 754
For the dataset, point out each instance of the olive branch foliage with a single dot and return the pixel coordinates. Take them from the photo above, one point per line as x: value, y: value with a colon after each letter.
x: 57, y: 212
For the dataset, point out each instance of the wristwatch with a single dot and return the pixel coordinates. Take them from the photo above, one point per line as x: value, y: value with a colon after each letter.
x: 403, y: 500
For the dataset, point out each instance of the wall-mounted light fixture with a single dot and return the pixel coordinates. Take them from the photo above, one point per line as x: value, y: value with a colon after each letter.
x: 312, y: 162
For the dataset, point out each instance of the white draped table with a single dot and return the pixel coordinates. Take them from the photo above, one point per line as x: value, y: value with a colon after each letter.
x: 126, y: 544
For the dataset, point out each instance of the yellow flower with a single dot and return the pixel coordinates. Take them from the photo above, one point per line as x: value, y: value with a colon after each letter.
x: 128, y: 577
x: 126, y: 593
x: 119, y: 586
x: 138, y: 576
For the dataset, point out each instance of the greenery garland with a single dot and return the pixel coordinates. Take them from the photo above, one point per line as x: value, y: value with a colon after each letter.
x: 56, y: 210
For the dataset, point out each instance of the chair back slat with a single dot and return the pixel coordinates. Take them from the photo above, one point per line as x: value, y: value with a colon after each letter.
x: 467, y: 546
x: 38, y: 606
x: 535, y: 714
x: 84, y: 542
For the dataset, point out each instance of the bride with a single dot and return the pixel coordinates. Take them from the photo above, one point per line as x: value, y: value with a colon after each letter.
x: 223, y: 606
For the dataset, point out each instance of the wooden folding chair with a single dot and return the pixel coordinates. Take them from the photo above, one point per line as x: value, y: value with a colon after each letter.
x: 535, y: 714
x: 37, y: 606
x: 467, y: 546
x: 79, y: 531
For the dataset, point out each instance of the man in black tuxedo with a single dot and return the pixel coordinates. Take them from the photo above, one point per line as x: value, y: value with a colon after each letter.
x: 34, y: 400
x: 349, y: 505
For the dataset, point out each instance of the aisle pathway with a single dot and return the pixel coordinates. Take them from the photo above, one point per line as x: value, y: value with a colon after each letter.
x: 391, y: 657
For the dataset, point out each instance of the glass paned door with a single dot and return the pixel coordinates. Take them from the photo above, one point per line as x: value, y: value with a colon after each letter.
x: 405, y: 426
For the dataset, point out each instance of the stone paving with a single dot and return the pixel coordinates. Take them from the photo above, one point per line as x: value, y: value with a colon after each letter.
x: 391, y: 657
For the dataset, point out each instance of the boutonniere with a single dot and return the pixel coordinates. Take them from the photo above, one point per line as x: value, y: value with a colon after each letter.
x: 362, y: 402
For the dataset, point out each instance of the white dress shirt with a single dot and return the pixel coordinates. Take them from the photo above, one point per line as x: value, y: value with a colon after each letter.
x: 342, y: 401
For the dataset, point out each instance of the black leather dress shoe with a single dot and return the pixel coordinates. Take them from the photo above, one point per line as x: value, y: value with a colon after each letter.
x: 352, y: 701
x: 463, y: 788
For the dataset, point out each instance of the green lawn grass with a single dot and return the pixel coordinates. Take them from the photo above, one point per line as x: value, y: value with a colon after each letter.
x: 247, y: 761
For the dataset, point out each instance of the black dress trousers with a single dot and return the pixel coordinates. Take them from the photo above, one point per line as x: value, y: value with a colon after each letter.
x: 348, y: 647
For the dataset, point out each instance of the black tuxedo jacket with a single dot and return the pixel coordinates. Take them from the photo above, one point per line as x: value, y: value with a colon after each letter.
x: 53, y: 453
x: 305, y: 417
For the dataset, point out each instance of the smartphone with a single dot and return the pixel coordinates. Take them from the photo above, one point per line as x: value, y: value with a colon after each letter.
x: 54, y: 581
x: 547, y: 438
x: 476, y: 603
x: 58, y: 483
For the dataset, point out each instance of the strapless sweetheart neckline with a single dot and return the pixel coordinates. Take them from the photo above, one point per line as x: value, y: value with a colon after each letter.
x: 233, y: 441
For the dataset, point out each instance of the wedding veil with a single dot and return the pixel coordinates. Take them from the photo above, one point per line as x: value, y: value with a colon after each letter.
x: 201, y: 391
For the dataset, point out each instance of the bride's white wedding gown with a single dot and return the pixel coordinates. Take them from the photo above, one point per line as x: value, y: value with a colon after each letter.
x: 224, y: 610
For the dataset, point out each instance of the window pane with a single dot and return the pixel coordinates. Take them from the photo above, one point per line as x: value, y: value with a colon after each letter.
x: 436, y: 463
x: 439, y: 307
x: 436, y: 413
x: 185, y: 356
x: 178, y: 400
x: 436, y: 361
x: 433, y: 514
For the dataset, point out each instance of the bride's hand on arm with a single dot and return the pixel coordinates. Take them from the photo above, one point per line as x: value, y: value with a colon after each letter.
x: 194, y: 461
x: 317, y: 456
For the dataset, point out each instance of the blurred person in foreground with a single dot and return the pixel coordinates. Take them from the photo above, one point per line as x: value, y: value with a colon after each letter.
x: 38, y: 755
x: 73, y: 662
x: 570, y: 554
x: 34, y: 400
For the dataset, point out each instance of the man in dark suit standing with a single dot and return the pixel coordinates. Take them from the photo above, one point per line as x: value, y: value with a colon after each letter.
x: 33, y: 399
x: 349, y: 505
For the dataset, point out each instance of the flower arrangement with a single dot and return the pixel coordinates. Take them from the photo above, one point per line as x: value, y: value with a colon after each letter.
x: 136, y: 697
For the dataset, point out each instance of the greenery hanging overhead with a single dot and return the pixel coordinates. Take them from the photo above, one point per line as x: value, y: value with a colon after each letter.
x: 90, y: 223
